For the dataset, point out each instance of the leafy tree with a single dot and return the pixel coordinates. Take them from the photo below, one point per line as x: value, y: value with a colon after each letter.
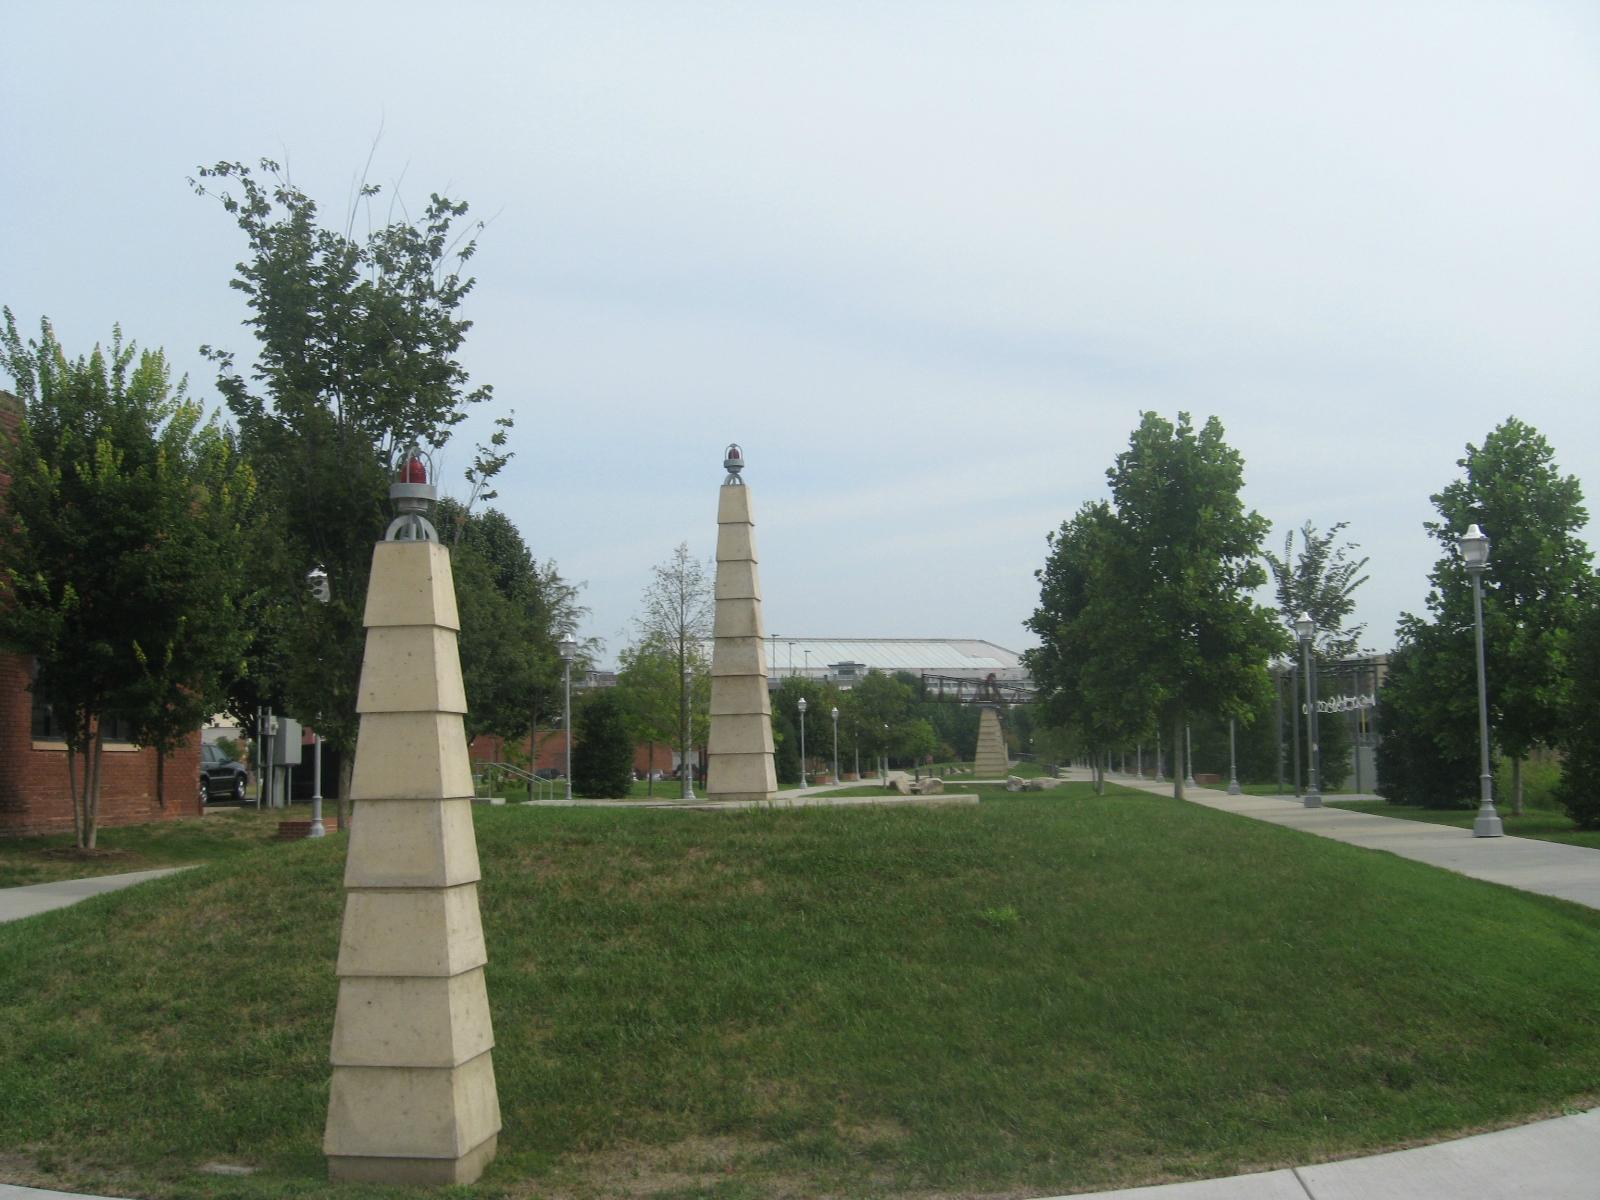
x: 1534, y: 589
x: 1321, y: 580
x: 1085, y: 679
x: 1153, y: 591
x: 602, y: 754
x: 117, y: 551
x: 356, y: 360
x: 649, y: 687
x: 676, y: 612
x: 881, y: 707
x: 1579, y: 788
x: 1428, y: 754
x: 514, y: 613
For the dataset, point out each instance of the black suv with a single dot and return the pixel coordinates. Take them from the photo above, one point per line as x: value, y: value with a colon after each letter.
x: 220, y: 777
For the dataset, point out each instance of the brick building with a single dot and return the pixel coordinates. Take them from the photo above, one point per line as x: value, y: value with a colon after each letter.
x: 35, y: 796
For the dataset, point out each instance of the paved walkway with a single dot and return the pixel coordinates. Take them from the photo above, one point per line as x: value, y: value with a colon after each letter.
x: 35, y: 898
x: 1548, y: 868
x: 1558, y: 1159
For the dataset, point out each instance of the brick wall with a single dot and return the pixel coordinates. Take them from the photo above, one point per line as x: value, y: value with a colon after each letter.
x: 34, y: 793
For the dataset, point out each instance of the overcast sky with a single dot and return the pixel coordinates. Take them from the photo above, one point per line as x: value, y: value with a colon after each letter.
x: 926, y: 262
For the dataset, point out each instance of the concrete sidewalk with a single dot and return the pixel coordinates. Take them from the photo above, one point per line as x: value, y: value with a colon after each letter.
x: 19, y: 902
x: 1548, y: 868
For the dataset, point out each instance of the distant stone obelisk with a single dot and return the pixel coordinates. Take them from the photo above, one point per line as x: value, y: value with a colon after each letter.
x: 992, y: 761
x: 413, y: 1099
x: 739, y: 754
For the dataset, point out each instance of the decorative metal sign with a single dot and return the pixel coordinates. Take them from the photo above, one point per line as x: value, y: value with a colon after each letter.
x: 1339, y: 704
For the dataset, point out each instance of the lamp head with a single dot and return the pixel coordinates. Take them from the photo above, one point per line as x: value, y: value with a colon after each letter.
x: 802, y: 704
x: 569, y: 648
x: 733, y: 460
x: 1474, y: 547
x: 1304, y: 626
x: 836, y: 713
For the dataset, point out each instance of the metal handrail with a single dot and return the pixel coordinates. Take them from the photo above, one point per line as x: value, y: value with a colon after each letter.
x: 490, y: 773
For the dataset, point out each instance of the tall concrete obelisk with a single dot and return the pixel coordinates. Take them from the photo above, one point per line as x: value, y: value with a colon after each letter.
x: 739, y: 754
x: 413, y: 1099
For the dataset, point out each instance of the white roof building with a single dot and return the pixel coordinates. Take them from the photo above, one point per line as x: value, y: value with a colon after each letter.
x: 845, y: 659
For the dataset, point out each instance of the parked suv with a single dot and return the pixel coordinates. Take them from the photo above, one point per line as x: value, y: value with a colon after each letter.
x: 220, y: 777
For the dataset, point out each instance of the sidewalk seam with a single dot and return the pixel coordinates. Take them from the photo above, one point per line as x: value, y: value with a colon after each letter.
x: 1304, y: 1186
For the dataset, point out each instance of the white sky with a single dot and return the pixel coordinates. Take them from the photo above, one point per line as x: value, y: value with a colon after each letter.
x: 925, y: 262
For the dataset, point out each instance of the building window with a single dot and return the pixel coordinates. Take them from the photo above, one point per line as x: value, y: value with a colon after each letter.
x: 47, y: 729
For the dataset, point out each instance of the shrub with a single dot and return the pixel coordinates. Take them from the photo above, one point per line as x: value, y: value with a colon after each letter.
x: 602, y: 752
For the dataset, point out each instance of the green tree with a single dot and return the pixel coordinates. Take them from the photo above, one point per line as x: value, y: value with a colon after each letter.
x: 602, y: 754
x: 1088, y: 682
x: 1163, y: 616
x: 676, y: 611
x: 1579, y: 788
x: 121, y: 531
x: 356, y: 361
x: 649, y: 688
x: 514, y: 612
x: 1534, y: 587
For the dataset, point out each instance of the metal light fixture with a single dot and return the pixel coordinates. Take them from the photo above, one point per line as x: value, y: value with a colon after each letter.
x: 569, y: 651
x: 1305, y: 628
x: 1233, y: 760
x: 317, y: 580
x: 802, y: 741
x: 836, y: 744
x: 1474, y: 546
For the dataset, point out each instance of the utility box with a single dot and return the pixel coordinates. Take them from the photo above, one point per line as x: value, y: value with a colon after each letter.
x: 286, y: 743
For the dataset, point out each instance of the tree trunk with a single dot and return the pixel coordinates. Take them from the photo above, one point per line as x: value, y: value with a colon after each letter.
x: 1516, y: 787
x: 347, y: 770
x: 77, y: 795
x: 650, y: 788
x: 92, y: 790
x: 1180, y: 763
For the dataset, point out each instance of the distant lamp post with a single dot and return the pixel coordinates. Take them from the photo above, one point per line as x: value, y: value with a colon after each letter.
x: 1188, y: 757
x: 1305, y: 628
x: 1160, y: 778
x: 836, y: 744
x: 688, y: 758
x: 569, y: 651
x: 317, y: 578
x: 802, y: 741
x: 1233, y: 760
x: 1474, y: 545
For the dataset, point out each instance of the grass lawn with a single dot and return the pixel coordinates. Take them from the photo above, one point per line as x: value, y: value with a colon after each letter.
x: 1041, y: 993
x: 1544, y: 824
x: 223, y: 833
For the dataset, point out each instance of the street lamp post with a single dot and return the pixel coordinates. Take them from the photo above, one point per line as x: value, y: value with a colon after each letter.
x: 1233, y: 760
x: 1305, y: 627
x: 1188, y: 757
x: 1474, y: 545
x: 688, y: 763
x: 802, y: 741
x: 836, y: 744
x: 321, y: 593
x: 569, y: 651
x: 1160, y: 778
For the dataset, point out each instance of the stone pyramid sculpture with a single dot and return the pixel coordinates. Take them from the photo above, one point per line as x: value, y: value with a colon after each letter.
x: 739, y: 753
x: 413, y: 1098
x: 992, y: 761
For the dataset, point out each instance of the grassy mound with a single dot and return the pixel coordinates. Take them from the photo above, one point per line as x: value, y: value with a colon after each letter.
x: 1039, y: 994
